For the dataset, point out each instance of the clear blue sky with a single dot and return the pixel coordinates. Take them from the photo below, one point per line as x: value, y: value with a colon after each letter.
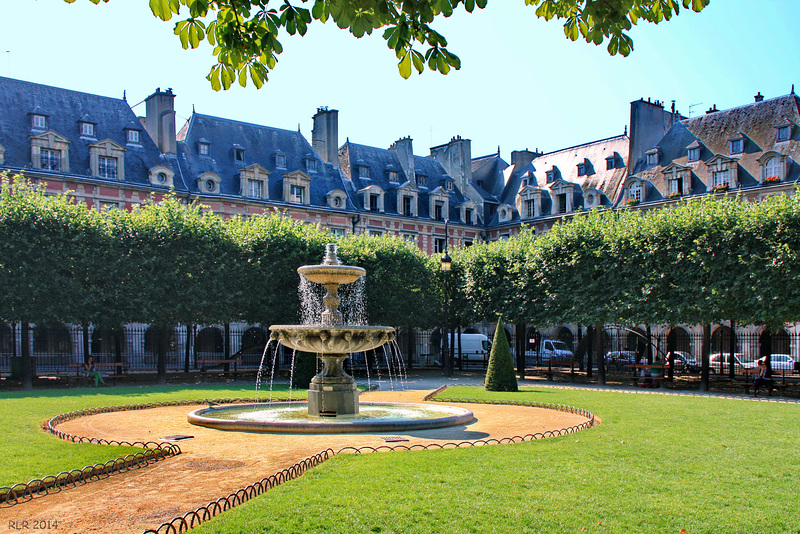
x: 521, y: 85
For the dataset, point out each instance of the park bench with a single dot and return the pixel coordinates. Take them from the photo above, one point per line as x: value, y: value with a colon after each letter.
x: 747, y: 383
x: 108, y: 370
x: 636, y: 378
x: 218, y: 365
x: 550, y: 373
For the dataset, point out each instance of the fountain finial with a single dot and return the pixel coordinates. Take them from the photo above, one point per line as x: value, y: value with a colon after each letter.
x: 331, y: 257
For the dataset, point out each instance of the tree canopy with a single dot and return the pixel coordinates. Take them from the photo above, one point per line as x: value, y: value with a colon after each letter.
x: 245, y: 34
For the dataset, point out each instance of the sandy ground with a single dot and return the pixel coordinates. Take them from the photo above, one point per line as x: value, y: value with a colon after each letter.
x: 215, y: 463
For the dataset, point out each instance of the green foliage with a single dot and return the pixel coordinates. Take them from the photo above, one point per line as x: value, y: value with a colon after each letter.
x: 244, y: 33
x: 500, y: 375
x: 401, y: 287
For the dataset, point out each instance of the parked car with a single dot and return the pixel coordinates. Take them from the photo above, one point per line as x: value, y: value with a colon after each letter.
x: 718, y: 362
x: 619, y: 359
x: 684, y: 362
x: 555, y: 350
x: 780, y: 362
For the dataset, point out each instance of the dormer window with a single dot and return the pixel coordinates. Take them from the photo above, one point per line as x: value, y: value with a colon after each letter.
x: 280, y: 160
x: 581, y: 169
x: 693, y: 153
x: 363, y: 172
x: 652, y: 157
x: 238, y: 153
x: 736, y: 145
x: 208, y: 182
x: 550, y: 176
x: 161, y: 175
x: 408, y: 206
x: 773, y: 167
x: 609, y: 163
x: 50, y: 159
x: 39, y: 122
x: 87, y: 129
x: 203, y: 147
x: 635, y: 192
x: 107, y: 160
x: 422, y: 180
x: 107, y: 167
x: 393, y: 176
x: 133, y: 137
x: 783, y: 133
x: 448, y: 184
x: 469, y: 215
x: 311, y: 165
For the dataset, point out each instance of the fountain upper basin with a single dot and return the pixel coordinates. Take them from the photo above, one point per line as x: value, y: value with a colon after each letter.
x: 331, y: 274
x: 323, y: 339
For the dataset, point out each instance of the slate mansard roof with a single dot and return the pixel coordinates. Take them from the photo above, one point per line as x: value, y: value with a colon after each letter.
x: 261, y: 145
x: 755, y: 124
x: 64, y: 111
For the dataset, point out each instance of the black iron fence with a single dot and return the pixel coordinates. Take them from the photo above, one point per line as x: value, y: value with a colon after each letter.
x: 63, y: 348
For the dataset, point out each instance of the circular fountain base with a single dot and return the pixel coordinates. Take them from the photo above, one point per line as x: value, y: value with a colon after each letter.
x: 292, y: 417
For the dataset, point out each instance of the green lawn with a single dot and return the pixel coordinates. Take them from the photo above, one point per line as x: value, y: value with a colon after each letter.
x: 26, y: 452
x: 660, y: 464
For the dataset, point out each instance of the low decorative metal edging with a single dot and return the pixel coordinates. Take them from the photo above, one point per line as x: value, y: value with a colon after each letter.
x: 199, y: 515
x: 153, y: 451
x: 195, y: 517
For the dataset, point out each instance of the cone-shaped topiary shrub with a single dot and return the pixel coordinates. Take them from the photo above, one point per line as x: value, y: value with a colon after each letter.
x: 500, y: 375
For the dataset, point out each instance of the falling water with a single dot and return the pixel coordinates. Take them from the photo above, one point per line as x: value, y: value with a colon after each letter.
x: 354, y: 302
x: 311, y: 305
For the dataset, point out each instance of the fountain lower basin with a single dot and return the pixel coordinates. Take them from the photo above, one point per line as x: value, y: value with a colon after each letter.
x: 293, y: 417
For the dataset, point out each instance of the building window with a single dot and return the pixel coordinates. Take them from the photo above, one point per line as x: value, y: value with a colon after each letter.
x: 550, y: 176
x: 675, y: 187
x: 468, y: 214
x: 373, y: 202
x: 772, y: 170
x: 107, y: 167
x: 339, y: 232
x: 238, y: 154
x: 50, y: 159
x: 561, y: 203
x: 297, y: 194
x: 255, y: 188
x: 635, y: 192
x: 652, y: 158
x: 408, y: 206
x: 530, y: 209
x: 311, y: 165
x: 590, y: 200
x: 202, y: 148
x: 438, y: 211
x: 363, y: 172
x: 694, y: 154
x: 375, y: 233
x: 737, y: 146
x: 438, y: 245
x: 39, y: 122
x: 109, y: 205
x: 422, y: 180
x: 720, y: 179
x: 210, y: 185
x: 410, y: 238
x: 161, y: 177
x: 280, y: 160
x: 393, y: 176
x: 581, y: 169
x: 784, y: 133
x: 133, y: 136
x: 87, y: 129
x: 609, y: 163
x: 337, y: 202
x: 448, y: 184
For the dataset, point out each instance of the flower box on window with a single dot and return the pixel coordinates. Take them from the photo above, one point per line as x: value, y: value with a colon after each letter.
x: 720, y: 188
x: 632, y: 202
x: 674, y: 195
x: 772, y: 179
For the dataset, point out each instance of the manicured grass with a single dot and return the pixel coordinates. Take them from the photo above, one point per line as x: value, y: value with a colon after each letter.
x: 27, y: 452
x: 656, y: 464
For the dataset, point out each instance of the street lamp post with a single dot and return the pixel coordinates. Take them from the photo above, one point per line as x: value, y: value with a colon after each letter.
x: 446, y: 266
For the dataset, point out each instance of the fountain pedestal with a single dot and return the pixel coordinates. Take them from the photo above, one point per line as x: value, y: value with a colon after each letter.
x: 332, y: 393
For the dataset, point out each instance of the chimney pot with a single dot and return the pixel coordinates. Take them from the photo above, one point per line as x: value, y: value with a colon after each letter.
x: 759, y: 97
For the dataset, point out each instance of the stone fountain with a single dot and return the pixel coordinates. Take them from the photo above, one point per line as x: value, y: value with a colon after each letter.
x: 332, y: 392
x: 333, y: 405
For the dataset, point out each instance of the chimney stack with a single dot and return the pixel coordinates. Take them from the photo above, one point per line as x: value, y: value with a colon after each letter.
x: 160, y: 120
x: 325, y: 135
x: 759, y: 97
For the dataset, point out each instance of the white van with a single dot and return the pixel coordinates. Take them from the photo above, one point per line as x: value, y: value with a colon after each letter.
x: 474, y: 347
x: 555, y: 350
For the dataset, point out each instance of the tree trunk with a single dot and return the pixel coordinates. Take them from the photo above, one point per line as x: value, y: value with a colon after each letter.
x: 187, y: 352
x: 732, y: 351
x: 27, y: 361
x: 601, y: 361
x: 589, y: 350
x: 117, y: 334
x: 705, y: 349
x: 227, y: 350
x: 161, y: 354
x: 521, y: 349
x: 672, y: 341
